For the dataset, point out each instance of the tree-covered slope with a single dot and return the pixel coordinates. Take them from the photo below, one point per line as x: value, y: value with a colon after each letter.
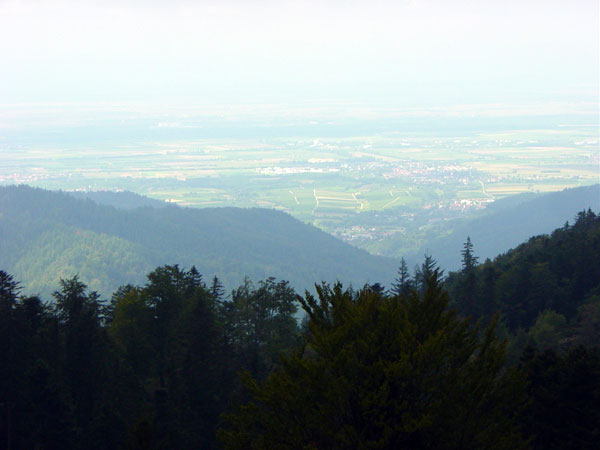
x: 158, y: 365
x: 47, y: 235
x: 547, y: 287
x: 508, y: 222
x: 65, y: 250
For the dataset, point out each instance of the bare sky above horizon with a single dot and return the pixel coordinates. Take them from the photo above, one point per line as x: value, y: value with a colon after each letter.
x: 401, y: 53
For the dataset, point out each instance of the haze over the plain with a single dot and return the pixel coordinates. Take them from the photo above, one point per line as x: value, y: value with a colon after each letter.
x: 403, y: 53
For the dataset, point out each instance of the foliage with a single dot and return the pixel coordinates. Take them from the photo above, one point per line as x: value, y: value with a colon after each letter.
x: 152, y: 369
x: 547, y: 286
x: 424, y: 272
x: 157, y: 365
x: 186, y: 343
x: 403, y: 282
x: 63, y: 381
x: 469, y: 260
x: 565, y: 390
x: 507, y: 222
x: 260, y: 323
x: 384, y: 372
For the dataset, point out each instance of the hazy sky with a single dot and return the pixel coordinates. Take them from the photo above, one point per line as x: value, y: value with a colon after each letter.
x: 420, y: 52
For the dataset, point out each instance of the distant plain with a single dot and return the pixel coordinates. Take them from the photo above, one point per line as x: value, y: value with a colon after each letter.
x: 362, y: 174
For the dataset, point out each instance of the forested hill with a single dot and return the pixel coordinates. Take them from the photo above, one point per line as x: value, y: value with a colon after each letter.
x: 547, y: 289
x: 158, y: 366
x: 508, y: 222
x: 45, y: 236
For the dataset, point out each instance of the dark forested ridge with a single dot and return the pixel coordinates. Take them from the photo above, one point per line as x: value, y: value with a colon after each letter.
x: 48, y: 235
x: 158, y: 366
x: 547, y: 290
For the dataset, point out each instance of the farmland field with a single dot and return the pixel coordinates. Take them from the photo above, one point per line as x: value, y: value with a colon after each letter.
x: 328, y: 169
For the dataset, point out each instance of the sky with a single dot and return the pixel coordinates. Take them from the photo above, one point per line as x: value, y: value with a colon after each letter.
x: 401, y: 53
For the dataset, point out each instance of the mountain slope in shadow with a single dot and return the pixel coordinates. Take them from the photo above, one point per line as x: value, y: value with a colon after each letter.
x: 508, y: 222
x: 45, y: 236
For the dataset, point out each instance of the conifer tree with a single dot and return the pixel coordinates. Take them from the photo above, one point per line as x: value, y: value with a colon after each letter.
x: 216, y: 289
x: 469, y: 261
x: 424, y: 273
x: 193, y: 278
x: 565, y: 394
x: 384, y: 373
x: 85, y: 355
x: 488, y: 289
x: 403, y: 282
x: 9, y: 289
x: 469, y: 280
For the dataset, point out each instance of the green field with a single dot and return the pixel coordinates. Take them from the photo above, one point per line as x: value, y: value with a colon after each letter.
x: 332, y: 180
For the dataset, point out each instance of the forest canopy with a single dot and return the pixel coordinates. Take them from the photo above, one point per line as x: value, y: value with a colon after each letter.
x: 385, y: 372
x: 456, y: 362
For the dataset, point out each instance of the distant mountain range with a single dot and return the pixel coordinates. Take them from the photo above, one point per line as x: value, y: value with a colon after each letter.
x: 508, y: 222
x: 45, y: 236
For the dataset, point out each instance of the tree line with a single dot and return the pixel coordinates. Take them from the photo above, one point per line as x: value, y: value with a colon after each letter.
x: 547, y: 290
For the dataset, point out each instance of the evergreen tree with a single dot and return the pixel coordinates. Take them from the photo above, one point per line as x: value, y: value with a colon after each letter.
x: 469, y: 261
x: 424, y: 273
x: 9, y: 370
x: 559, y: 272
x: 260, y: 323
x: 84, y: 355
x: 376, y: 287
x: 131, y: 330
x: 384, y: 373
x: 565, y: 393
x: 171, y: 333
x: 487, y: 305
x: 403, y: 283
x: 216, y: 289
x: 194, y: 278
x: 469, y: 280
